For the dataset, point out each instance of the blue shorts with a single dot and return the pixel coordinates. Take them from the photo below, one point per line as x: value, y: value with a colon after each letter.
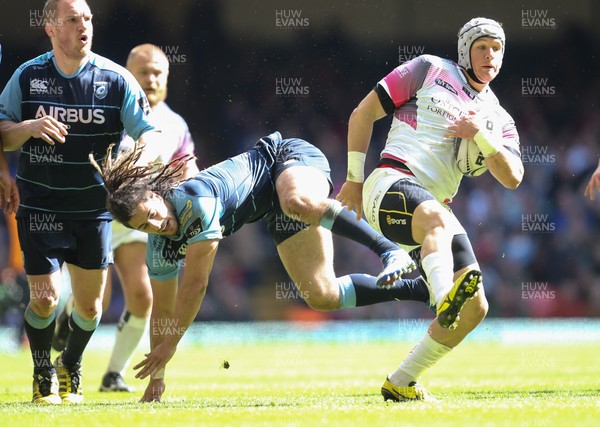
x: 48, y: 242
x: 285, y: 154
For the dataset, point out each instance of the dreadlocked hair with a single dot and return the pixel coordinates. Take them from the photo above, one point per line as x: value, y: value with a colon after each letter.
x: 128, y: 184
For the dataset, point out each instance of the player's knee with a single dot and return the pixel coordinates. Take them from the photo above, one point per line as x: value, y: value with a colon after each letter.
x: 321, y: 299
x: 90, y: 311
x: 44, y: 305
x: 139, y: 303
x: 436, y: 220
x: 476, y: 310
x: 295, y: 206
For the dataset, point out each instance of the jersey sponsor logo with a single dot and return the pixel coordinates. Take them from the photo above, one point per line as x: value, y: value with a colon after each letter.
x: 446, y: 85
x: 445, y: 108
x: 186, y: 214
x: 44, y: 87
x: 194, y: 229
x: 471, y: 94
x: 100, y: 89
x: 144, y: 105
x: 72, y: 115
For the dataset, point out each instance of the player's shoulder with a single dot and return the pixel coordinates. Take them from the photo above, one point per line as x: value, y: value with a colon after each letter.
x: 438, y: 62
x: 493, y: 103
x: 39, y: 62
x: 104, y: 63
x: 108, y: 66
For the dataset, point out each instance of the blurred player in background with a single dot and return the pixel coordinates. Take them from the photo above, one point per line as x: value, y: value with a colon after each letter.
x: 57, y: 108
x: 284, y: 181
x: 150, y: 67
x: 593, y: 184
x: 434, y: 101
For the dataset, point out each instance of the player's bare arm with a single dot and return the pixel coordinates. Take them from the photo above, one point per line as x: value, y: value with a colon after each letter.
x: 360, y: 130
x: 9, y: 194
x: 593, y: 185
x: 199, y: 261
x: 47, y: 128
x: 163, y: 307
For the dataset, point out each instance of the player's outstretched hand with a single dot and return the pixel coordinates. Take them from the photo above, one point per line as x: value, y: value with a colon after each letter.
x: 48, y: 129
x: 155, y: 360
x: 593, y: 185
x: 350, y: 196
x: 154, y: 391
x: 9, y: 194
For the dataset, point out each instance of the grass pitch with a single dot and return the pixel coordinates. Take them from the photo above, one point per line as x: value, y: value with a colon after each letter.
x: 337, y: 384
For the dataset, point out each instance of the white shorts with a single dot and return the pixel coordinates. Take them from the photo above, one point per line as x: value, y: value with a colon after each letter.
x: 122, y: 235
x: 376, y: 187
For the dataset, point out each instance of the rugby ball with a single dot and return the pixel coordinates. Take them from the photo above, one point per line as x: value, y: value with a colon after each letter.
x: 469, y: 159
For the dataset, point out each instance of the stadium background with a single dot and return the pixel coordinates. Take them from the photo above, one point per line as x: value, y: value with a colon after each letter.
x: 240, y: 69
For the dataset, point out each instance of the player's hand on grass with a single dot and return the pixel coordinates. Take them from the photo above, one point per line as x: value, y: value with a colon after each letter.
x: 9, y: 194
x: 155, y: 360
x: 350, y: 196
x: 48, y: 129
x: 154, y: 390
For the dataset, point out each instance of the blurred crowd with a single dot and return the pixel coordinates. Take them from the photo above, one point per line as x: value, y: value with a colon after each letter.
x: 536, y: 245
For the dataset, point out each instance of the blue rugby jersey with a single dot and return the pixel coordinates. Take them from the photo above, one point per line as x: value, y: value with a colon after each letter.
x: 214, y: 204
x: 98, y: 102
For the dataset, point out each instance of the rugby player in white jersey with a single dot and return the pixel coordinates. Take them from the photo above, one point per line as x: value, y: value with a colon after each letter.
x: 150, y: 67
x: 434, y: 102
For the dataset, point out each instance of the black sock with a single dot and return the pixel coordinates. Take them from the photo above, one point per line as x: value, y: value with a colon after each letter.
x: 40, y: 343
x: 368, y: 293
x: 76, y: 343
x: 346, y: 225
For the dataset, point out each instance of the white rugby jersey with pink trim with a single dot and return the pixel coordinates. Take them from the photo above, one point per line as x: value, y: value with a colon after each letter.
x: 176, y: 139
x: 429, y: 93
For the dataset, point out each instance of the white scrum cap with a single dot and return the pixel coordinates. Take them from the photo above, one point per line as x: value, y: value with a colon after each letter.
x: 471, y: 31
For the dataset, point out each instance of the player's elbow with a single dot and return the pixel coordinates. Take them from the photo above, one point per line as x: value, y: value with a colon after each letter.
x: 513, y: 180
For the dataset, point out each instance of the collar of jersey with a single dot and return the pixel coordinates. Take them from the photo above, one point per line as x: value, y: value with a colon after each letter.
x: 76, y: 73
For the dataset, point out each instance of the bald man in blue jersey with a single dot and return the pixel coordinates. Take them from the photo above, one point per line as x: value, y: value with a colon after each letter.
x: 57, y: 108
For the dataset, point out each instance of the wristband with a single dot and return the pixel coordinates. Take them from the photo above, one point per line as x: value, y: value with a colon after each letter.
x: 486, y: 144
x: 159, y: 375
x: 356, y: 166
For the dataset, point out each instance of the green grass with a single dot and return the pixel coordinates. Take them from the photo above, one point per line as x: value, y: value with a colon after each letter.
x: 334, y: 384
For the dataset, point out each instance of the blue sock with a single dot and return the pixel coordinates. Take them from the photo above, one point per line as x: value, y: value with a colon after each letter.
x: 39, y: 332
x: 343, y: 222
x: 79, y: 336
x: 358, y: 290
x: 347, y: 292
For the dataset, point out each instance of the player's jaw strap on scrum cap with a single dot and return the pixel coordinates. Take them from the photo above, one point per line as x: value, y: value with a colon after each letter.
x: 471, y: 31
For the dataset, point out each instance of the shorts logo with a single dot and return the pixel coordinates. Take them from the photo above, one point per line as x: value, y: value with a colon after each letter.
x: 100, y: 89
x: 394, y: 221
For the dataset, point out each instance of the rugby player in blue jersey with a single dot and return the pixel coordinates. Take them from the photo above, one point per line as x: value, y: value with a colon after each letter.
x: 57, y: 108
x: 284, y: 181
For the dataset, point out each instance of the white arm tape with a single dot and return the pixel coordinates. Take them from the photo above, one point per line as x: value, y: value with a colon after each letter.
x: 486, y: 144
x: 356, y: 166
